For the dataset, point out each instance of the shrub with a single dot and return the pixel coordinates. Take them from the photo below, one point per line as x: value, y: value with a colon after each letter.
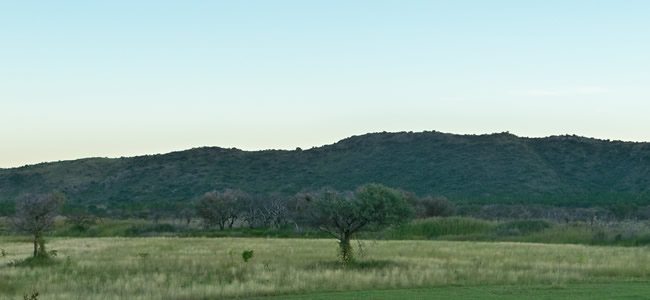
x: 521, y: 227
x: 247, y: 255
x: 137, y: 230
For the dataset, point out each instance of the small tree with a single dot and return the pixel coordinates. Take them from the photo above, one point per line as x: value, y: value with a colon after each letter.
x: 220, y: 208
x: 35, y: 216
x: 371, y: 206
x: 79, y: 217
x: 186, y: 214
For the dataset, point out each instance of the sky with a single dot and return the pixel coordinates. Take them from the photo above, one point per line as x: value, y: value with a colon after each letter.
x: 123, y: 78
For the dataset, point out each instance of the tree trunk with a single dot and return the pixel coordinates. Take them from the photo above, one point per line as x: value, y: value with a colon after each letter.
x: 35, y: 245
x: 346, y: 249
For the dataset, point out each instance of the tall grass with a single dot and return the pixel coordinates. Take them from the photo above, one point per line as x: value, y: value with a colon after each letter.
x: 202, y: 268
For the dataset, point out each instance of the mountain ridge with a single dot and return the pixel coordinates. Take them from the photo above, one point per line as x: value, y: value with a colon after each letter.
x: 487, y: 168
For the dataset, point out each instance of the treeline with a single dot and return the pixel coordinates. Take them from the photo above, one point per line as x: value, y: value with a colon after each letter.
x: 230, y: 208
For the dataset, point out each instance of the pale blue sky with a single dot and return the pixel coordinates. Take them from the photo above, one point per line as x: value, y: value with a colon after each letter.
x: 123, y: 78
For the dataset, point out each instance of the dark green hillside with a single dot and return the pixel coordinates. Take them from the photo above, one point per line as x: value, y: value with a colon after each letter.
x: 496, y: 168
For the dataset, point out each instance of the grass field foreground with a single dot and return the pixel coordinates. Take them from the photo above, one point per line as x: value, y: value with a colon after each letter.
x: 212, y: 268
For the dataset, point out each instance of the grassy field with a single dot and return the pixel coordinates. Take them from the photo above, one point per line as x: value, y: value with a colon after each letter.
x: 212, y: 268
x: 569, y: 292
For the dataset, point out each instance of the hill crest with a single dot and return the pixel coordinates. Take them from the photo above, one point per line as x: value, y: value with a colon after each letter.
x: 499, y: 167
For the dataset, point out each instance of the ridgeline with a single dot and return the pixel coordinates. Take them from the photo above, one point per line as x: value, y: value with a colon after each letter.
x: 495, y: 168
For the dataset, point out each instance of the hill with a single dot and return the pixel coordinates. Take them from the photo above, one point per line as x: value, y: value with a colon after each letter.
x: 494, y: 168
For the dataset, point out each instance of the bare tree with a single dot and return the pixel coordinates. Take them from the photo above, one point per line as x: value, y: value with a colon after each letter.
x: 35, y: 216
x: 220, y: 208
x: 274, y: 212
x: 251, y: 212
x: 186, y: 215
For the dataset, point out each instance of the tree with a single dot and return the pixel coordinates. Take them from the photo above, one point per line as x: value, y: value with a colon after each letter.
x: 371, y: 206
x: 220, y: 208
x: 437, y: 207
x: 273, y: 212
x: 186, y: 214
x: 35, y: 216
x: 78, y: 216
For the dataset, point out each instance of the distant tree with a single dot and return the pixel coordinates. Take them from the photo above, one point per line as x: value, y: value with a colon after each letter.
x: 220, y: 208
x: 370, y: 206
x: 429, y: 206
x: 274, y: 211
x: 298, y: 208
x: 99, y: 212
x: 437, y: 206
x: 251, y: 211
x: 79, y: 217
x: 186, y: 215
x: 35, y: 216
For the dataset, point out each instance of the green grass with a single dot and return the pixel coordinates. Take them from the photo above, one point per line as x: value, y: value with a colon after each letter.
x: 572, y: 291
x: 212, y: 268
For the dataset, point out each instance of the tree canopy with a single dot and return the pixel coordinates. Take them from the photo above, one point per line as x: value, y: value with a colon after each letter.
x: 371, y: 206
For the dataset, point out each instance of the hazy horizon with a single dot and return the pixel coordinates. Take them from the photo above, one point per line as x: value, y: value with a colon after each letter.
x: 121, y: 78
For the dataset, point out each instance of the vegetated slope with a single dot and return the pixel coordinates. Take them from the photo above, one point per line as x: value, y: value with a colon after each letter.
x: 495, y: 168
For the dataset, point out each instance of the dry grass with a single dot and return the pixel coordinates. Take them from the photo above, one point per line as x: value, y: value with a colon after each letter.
x: 203, y: 268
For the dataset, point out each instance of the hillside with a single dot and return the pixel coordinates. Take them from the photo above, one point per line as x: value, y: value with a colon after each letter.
x: 495, y: 168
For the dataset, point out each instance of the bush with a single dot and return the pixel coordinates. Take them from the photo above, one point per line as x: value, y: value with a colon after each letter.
x: 139, y: 230
x: 247, y: 255
x: 436, y: 227
x: 522, y: 227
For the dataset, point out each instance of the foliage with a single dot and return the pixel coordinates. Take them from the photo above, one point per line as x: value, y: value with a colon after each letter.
x: 220, y: 208
x: 521, y: 227
x: 150, y: 229
x: 246, y: 255
x: 7, y: 209
x: 143, y: 255
x: 35, y: 216
x: 371, y: 206
x: 432, y: 206
x: 32, y: 296
x: 431, y: 228
x: 478, y: 169
x: 44, y: 258
x: 81, y: 218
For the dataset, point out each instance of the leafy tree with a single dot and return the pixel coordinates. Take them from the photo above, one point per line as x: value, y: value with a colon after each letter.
x: 371, y: 206
x: 220, y: 208
x: 35, y: 215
